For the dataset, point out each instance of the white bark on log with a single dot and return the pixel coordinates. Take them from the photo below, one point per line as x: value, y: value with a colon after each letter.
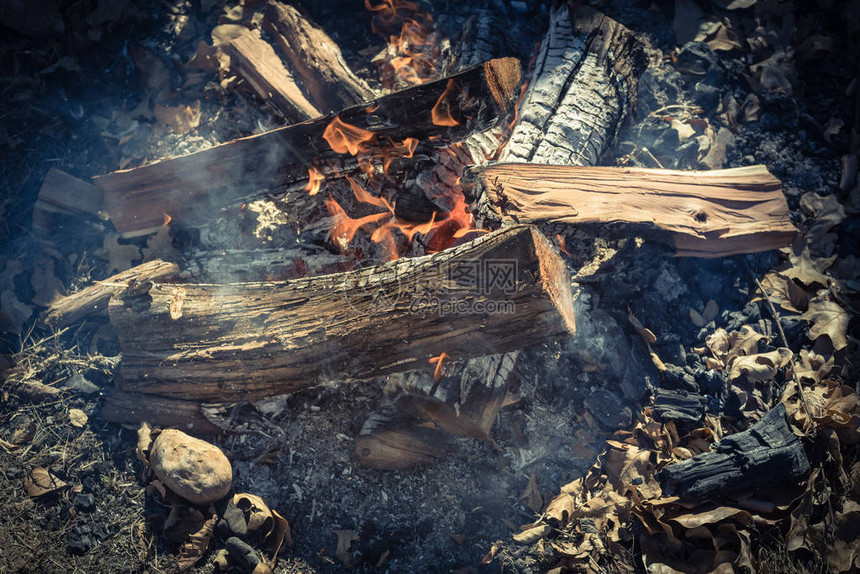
x: 581, y: 92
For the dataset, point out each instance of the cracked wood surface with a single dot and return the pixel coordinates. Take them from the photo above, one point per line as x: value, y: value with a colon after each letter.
x: 316, y: 59
x: 195, y: 187
x: 251, y: 340
x: 702, y: 214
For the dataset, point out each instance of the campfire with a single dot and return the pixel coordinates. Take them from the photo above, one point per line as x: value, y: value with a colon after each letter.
x: 437, y: 222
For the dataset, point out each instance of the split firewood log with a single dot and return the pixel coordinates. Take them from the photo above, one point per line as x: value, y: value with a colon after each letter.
x: 64, y: 195
x: 701, y: 214
x: 503, y: 291
x: 92, y: 301
x: 317, y: 60
x: 254, y: 59
x: 193, y: 188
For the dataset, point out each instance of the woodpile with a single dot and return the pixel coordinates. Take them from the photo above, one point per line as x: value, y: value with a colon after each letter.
x: 245, y: 324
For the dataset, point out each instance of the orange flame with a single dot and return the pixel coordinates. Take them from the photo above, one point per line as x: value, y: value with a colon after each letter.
x: 437, y: 372
x: 364, y: 196
x: 315, y: 179
x: 345, y: 226
x: 441, y: 112
x: 413, y: 44
x: 562, y: 245
x: 347, y: 138
x: 167, y: 218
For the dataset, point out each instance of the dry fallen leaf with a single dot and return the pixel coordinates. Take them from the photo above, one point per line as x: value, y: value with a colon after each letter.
x: 828, y: 318
x: 144, y: 442
x: 533, y: 534
x: 279, y: 534
x: 785, y: 293
x: 826, y: 211
x: 345, y: 538
x: 801, y: 267
x: 844, y: 551
x: 194, y: 547
x: 119, y: 256
x: 181, y: 119
x: 532, y: 494
x: 719, y: 36
x: 159, y: 245
x: 78, y: 418
x: 41, y: 481
x: 494, y: 549
x: 760, y: 367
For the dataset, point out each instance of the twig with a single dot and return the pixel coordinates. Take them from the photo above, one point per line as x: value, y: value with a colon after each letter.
x: 782, y: 336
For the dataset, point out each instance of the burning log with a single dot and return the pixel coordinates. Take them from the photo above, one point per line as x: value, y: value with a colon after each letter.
x: 93, y: 300
x: 316, y: 59
x: 582, y: 90
x: 702, y: 214
x: 61, y: 195
x: 765, y: 455
x: 255, y: 60
x: 465, y: 402
x: 194, y: 187
x: 500, y: 292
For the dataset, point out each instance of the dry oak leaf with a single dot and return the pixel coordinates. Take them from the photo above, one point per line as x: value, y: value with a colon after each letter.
x: 760, y: 367
x: 181, y: 119
x: 345, y: 538
x: 811, y: 367
x: 117, y: 255
x: 195, y: 545
x: 785, y: 293
x: 41, y: 481
x: 725, y: 346
x: 801, y: 267
x: 826, y: 211
x: 828, y: 318
x: 160, y: 245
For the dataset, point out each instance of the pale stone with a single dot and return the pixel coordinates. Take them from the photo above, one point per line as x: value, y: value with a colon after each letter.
x: 192, y: 468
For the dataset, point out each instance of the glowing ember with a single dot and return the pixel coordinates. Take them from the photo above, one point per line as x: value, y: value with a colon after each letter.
x: 346, y: 138
x: 315, y: 179
x: 167, y: 219
x: 441, y: 112
x: 437, y: 372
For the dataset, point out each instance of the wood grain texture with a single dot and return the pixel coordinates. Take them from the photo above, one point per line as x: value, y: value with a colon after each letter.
x: 251, y: 340
x: 195, y: 187
x: 93, y: 300
x: 63, y: 194
x: 255, y: 60
x: 317, y: 60
x: 702, y: 214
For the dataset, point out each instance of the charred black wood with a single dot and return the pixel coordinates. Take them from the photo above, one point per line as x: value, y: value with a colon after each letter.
x: 680, y: 406
x: 766, y: 455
